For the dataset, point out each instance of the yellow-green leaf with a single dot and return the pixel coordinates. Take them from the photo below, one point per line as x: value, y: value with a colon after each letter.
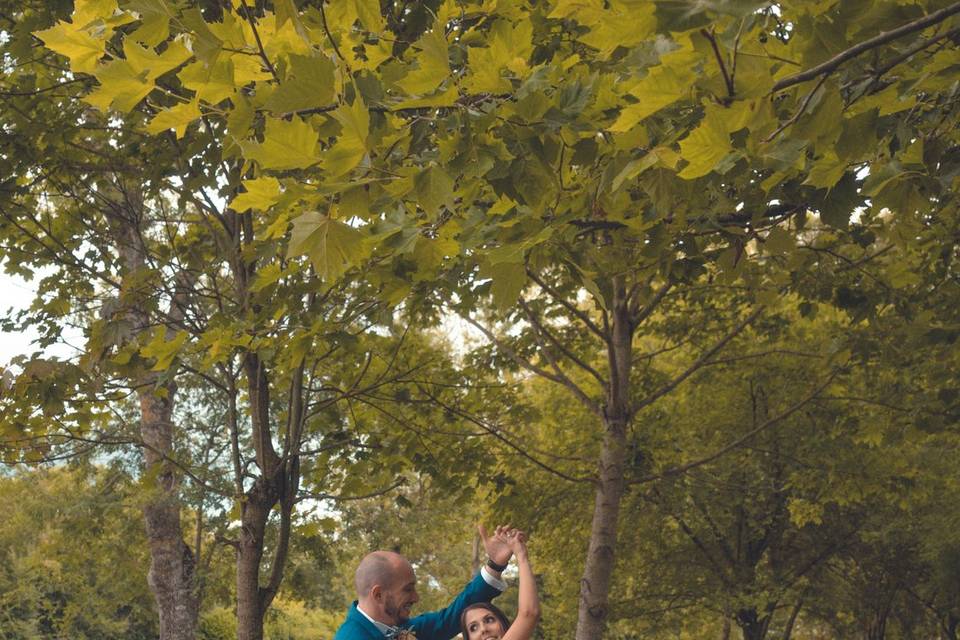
x: 75, y: 44
x: 286, y: 145
x: 433, y: 64
x: 261, y: 193
x: 121, y: 87
x: 213, y: 82
x: 332, y: 246
x: 351, y: 145
x: 145, y: 61
x: 162, y: 350
x: 178, y: 118
x: 705, y: 146
x: 311, y: 85
x: 369, y: 13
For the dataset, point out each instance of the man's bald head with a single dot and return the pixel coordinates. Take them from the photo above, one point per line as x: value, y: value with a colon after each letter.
x: 380, y: 567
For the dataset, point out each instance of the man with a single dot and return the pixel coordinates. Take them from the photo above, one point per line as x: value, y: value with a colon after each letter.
x: 387, y: 590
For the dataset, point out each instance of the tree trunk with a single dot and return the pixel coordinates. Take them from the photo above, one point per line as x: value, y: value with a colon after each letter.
x: 595, y: 585
x: 952, y: 623
x: 255, y: 513
x: 751, y: 625
x: 601, y: 554
x: 172, y: 567
x: 788, y: 629
x: 172, y: 573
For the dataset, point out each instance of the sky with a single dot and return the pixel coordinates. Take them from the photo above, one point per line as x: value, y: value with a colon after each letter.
x: 15, y: 294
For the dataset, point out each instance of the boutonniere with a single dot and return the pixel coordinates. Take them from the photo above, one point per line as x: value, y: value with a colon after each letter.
x: 402, y: 634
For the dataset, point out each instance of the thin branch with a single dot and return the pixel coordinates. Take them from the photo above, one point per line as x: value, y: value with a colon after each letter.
x: 831, y: 65
x: 526, y: 364
x: 674, y: 471
x: 326, y: 29
x: 911, y: 51
x: 341, y: 498
x: 702, y: 360
x: 637, y: 315
x: 256, y: 35
x: 800, y: 111
x: 541, y: 329
x: 727, y: 78
x: 578, y: 313
x: 499, y: 436
x: 18, y: 94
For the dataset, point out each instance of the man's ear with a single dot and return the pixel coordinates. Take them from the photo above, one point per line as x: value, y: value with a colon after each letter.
x: 376, y: 592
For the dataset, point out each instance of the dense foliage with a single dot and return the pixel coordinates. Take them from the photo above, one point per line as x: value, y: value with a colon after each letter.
x: 707, y: 252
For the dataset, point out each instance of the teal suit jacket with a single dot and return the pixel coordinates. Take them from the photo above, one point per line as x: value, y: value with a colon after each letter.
x: 434, y: 625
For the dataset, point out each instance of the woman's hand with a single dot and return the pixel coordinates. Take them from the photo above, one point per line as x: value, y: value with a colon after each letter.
x: 515, y: 540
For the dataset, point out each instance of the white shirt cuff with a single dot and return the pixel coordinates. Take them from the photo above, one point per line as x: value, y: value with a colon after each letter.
x: 494, y: 582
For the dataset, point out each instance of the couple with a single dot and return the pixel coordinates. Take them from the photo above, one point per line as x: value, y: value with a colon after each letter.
x: 387, y: 589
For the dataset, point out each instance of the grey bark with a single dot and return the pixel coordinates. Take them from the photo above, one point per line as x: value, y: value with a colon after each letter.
x: 601, y: 554
x: 172, y: 573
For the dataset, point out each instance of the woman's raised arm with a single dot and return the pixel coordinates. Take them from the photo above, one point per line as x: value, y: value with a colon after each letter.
x: 528, y: 607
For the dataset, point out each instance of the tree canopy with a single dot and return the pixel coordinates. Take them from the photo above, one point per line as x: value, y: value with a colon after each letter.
x: 715, y: 242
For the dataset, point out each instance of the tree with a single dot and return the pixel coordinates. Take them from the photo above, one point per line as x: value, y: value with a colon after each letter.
x: 600, y: 155
x: 177, y: 291
x: 74, y: 556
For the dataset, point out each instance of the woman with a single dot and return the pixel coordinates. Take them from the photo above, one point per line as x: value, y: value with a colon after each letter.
x: 484, y: 621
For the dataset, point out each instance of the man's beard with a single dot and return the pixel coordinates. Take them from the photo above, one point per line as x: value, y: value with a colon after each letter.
x: 393, y: 610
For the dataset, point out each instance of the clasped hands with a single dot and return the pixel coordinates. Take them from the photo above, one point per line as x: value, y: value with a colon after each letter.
x: 505, y: 542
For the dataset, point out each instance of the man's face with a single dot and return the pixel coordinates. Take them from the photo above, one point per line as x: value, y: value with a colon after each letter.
x: 401, y: 596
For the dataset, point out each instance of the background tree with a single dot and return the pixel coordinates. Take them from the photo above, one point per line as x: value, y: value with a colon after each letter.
x: 576, y: 166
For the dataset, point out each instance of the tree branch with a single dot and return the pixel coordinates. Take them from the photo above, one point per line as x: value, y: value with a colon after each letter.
x: 543, y: 373
x: 702, y: 360
x: 339, y: 498
x: 674, y: 471
x: 566, y: 304
x: 831, y: 65
x: 256, y: 35
x: 499, y: 436
x: 541, y: 329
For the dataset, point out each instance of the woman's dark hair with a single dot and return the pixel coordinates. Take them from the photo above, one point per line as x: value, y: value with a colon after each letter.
x: 487, y: 607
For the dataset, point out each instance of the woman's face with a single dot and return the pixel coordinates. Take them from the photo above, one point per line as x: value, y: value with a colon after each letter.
x: 483, y: 625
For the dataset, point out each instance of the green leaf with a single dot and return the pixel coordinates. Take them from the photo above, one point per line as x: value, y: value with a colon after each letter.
x: 433, y: 65
x: 661, y: 87
x: 433, y: 188
x: 261, y: 193
x: 826, y: 171
x: 332, y: 246
x: 76, y: 45
x: 162, y: 350
x: 155, y: 18
x: 351, y: 145
x: 368, y: 11
x: 311, y: 85
x: 121, y: 87
x: 508, y: 280
x: 213, y: 82
x: 146, y: 61
x: 286, y: 145
x: 705, y: 146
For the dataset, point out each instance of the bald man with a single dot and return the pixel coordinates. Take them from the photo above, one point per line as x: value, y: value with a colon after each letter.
x: 387, y: 590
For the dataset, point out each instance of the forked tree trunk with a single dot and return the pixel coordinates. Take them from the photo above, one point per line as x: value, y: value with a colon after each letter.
x: 752, y: 625
x: 250, y: 609
x: 601, y: 554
